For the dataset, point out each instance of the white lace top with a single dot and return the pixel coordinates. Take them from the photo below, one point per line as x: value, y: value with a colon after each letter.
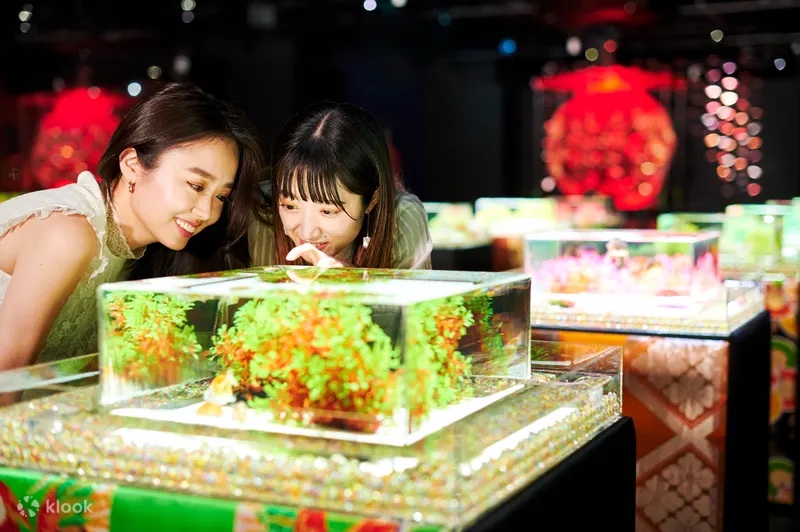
x: 74, y: 331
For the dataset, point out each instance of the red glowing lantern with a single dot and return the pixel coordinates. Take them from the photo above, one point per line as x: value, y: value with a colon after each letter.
x: 611, y: 138
x: 73, y: 135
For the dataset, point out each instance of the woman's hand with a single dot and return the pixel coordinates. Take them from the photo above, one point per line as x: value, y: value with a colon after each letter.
x: 314, y: 256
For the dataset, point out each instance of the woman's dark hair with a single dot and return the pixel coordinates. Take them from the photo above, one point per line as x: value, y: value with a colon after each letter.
x: 332, y: 143
x: 176, y: 115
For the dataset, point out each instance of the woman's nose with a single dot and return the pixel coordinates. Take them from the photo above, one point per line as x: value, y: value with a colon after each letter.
x: 202, y: 209
x: 309, y: 229
x: 310, y: 235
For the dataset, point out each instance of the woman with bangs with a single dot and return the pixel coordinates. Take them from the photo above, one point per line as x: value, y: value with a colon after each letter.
x: 333, y: 200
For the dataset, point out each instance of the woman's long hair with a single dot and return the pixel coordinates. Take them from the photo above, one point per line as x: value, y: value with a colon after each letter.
x: 176, y: 115
x: 329, y: 144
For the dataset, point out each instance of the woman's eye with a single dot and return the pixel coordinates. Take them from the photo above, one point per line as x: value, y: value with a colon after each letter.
x: 223, y: 198
x: 196, y: 187
x: 287, y: 206
x: 328, y: 212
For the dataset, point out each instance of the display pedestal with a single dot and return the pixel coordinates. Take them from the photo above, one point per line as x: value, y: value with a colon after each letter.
x: 600, y: 475
x: 781, y: 287
x: 594, y: 489
x: 700, y: 405
x: 747, y: 437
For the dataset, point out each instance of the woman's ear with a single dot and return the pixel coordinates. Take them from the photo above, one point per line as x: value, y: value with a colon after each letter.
x: 129, y: 167
x: 372, y: 202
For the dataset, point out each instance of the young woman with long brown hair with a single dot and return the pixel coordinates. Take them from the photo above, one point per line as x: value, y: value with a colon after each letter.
x: 178, y: 174
x: 333, y: 200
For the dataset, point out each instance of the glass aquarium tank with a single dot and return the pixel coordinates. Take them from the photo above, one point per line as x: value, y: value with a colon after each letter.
x: 380, y: 356
x: 445, y: 481
x: 791, y: 225
x: 754, y: 235
x: 508, y: 220
x: 690, y: 222
x: 586, y: 212
x: 502, y: 212
x: 670, y: 265
x: 791, y: 230
x: 453, y: 225
x: 632, y: 279
x: 41, y: 380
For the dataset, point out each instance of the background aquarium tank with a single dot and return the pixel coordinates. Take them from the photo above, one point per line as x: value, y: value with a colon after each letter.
x: 690, y: 222
x: 754, y: 235
x: 623, y: 262
x: 508, y: 220
x: 380, y: 356
x: 453, y: 224
x: 586, y: 212
x: 502, y: 215
x: 791, y: 223
x: 633, y: 278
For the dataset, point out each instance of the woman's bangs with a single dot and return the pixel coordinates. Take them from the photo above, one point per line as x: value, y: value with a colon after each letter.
x: 311, y: 184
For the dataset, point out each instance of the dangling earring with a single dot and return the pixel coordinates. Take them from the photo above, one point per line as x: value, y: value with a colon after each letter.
x: 365, y: 241
x: 131, y: 186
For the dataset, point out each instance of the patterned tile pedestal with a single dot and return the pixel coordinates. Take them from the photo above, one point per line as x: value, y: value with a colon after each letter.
x: 699, y: 406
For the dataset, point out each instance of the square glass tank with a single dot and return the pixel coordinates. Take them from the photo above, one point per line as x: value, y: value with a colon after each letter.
x: 791, y: 229
x: 453, y: 225
x: 791, y: 225
x: 374, y: 356
x: 508, y: 220
x: 516, y: 216
x: 586, y: 212
x: 40, y: 380
x: 754, y: 235
x: 634, y: 279
x: 690, y: 222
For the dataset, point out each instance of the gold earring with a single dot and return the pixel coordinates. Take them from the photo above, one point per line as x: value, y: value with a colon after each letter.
x: 131, y: 186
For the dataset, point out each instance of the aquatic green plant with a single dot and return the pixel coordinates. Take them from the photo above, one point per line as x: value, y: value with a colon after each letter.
x: 147, y: 335
x: 324, y: 354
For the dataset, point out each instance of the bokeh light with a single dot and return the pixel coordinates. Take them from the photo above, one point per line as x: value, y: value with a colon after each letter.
x: 732, y: 125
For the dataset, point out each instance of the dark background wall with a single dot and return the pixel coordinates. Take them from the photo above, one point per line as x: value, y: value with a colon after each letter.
x: 461, y: 115
x: 463, y: 124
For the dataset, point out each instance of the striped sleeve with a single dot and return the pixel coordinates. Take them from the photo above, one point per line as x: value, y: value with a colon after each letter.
x: 261, y: 240
x: 412, y: 240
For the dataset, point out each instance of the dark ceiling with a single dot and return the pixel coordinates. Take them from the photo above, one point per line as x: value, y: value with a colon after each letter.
x: 656, y: 18
x: 63, y: 30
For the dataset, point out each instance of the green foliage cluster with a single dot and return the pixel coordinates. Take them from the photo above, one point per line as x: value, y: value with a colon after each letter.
x: 146, y: 334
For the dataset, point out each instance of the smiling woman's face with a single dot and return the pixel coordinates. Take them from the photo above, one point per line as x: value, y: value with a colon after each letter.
x: 186, y: 192
x: 331, y: 229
